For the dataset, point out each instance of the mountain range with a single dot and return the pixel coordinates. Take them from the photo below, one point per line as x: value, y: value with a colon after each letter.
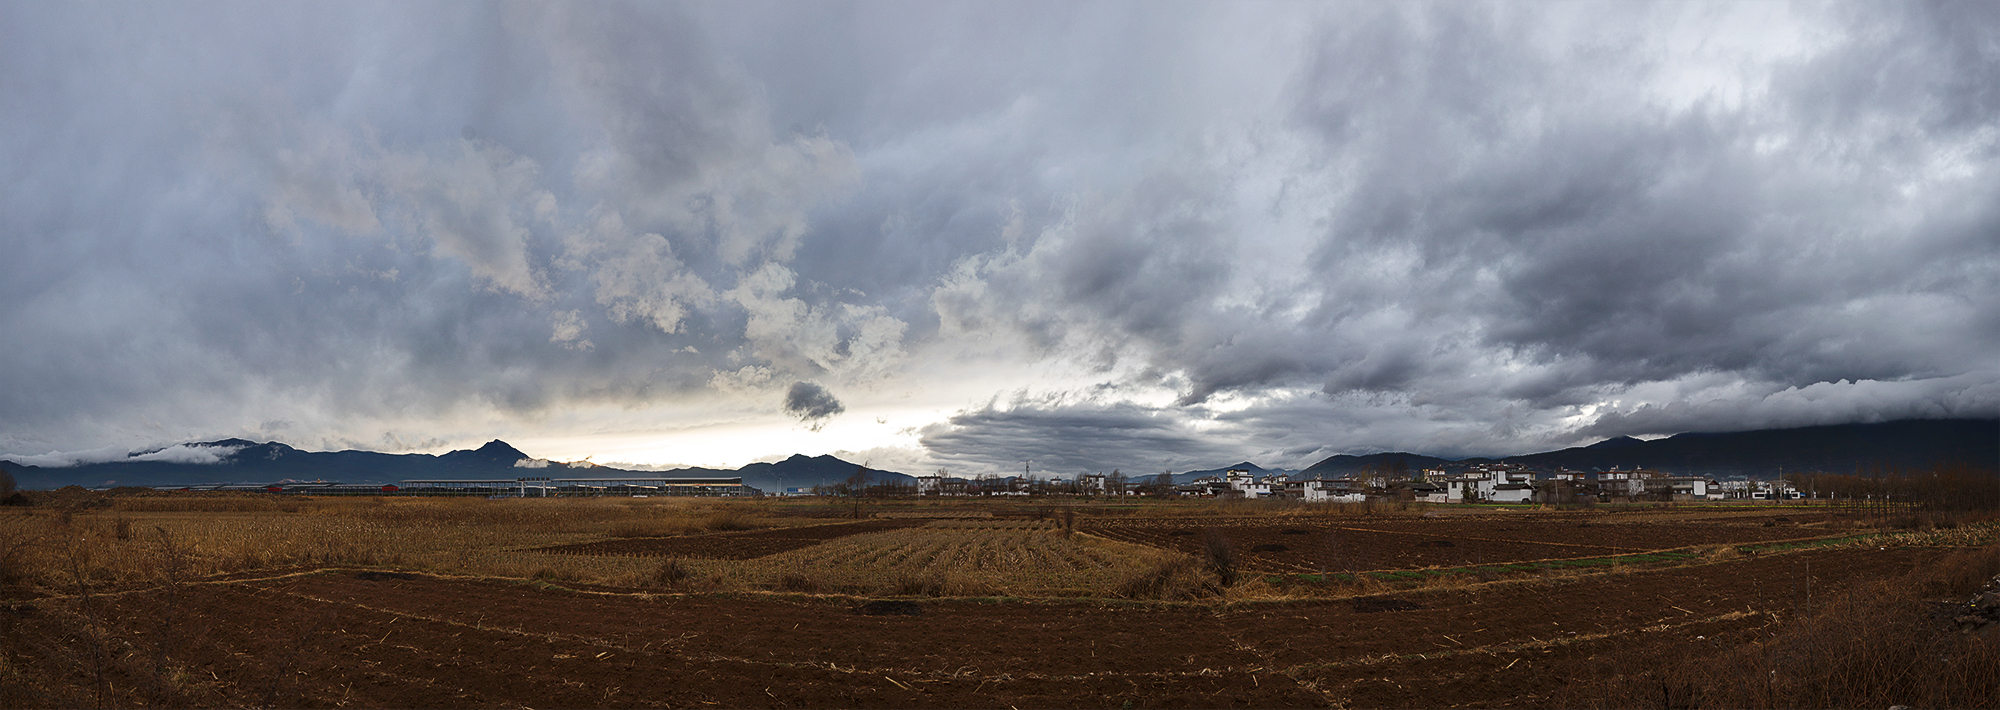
x: 1842, y: 448
x: 1911, y: 444
x: 241, y: 461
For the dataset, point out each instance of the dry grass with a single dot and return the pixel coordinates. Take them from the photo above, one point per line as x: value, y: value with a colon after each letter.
x: 1878, y: 645
x: 955, y: 558
x: 47, y: 551
x: 50, y: 550
x: 125, y: 543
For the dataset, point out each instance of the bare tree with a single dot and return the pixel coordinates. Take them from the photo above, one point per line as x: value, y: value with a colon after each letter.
x: 856, y: 485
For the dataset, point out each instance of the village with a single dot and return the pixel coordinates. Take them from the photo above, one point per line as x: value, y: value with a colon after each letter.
x: 1477, y: 483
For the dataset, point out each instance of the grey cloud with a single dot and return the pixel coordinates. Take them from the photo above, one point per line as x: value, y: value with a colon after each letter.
x: 1968, y: 396
x: 637, y: 276
x: 1446, y: 226
x: 1523, y: 228
x: 1590, y: 231
x: 812, y: 404
x: 178, y: 453
x: 1070, y: 439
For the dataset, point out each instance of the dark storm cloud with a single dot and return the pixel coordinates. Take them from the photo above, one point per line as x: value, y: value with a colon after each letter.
x: 1530, y: 234
x: 1067, y: 439
x: 812, y: 404
x: 1451, y: 227
x: 1615, y: 239
x: 228, y: 205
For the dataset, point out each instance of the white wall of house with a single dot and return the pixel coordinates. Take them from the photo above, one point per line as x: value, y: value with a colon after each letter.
x: 1243, y: 482
x: 1331, y: 492
x: 1512, y: 493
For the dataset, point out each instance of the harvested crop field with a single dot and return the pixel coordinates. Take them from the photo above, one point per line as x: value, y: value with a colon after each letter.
x: 333, y: 638
x: 745, y: 545
x: 1313, y: 545
x: 596, y: 603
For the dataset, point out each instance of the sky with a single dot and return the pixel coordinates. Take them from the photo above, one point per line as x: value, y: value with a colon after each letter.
x: 978, y: 237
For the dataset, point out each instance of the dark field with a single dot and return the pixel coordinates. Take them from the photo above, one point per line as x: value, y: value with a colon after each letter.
x: 1323, y: 622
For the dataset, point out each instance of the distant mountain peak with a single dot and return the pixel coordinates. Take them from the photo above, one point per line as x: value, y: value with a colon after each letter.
x: 227, y: 442
x: 493, y: 451
x: 1615, y: 442
x: 497, y: 446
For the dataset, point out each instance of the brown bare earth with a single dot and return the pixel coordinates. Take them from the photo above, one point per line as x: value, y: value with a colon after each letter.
x: 747, y: 623
x: 371, y: 639
x: 1350, y: 544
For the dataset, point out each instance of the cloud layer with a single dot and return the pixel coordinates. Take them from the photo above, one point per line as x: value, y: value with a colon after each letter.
x: 1098, y: 236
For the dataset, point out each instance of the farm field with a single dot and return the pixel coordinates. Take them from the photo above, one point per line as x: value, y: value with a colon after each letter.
x: 745, y: 545
x: 1307, y: 545
x: 1045, y: 608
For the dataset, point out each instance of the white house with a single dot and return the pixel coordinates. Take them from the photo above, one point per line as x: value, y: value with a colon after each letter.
x: 1339, y: 490
x: 1240, y: 481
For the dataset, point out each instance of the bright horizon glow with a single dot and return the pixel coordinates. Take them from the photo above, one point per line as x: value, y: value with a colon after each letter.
x: 736, y: 444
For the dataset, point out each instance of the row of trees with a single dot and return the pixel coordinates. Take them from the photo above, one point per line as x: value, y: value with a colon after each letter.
x: 1949, y: 487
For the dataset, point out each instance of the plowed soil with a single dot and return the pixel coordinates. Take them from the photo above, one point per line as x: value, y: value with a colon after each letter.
x: 346, y: 638
x: 1358, y: 544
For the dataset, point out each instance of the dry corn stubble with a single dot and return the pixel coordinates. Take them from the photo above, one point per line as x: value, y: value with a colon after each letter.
x: 220, y: 535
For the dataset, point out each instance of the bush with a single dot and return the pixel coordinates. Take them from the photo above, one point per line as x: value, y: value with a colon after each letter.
x: 1174, y: 578
x: 1220, y: 558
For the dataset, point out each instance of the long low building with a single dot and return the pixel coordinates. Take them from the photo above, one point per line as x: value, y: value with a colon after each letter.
x: 543, y: 487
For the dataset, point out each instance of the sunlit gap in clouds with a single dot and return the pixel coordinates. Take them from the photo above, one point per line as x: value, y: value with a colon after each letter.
x: 732, y: 445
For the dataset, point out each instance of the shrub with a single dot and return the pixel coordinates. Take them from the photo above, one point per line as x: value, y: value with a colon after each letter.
x: 1174, y: 578
x: 1220, y: 559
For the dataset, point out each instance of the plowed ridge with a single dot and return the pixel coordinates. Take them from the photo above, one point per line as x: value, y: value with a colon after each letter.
x: 409, y: 640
